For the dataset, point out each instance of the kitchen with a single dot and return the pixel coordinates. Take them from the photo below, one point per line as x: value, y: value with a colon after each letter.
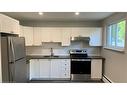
x: 67, y: 47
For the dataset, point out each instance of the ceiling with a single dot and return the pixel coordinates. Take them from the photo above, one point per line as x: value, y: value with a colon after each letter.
x: 58, y: 16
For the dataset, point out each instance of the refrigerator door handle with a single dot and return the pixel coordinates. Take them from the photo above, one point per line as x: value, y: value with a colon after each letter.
x: 12, y: 73
x: 13, y: 52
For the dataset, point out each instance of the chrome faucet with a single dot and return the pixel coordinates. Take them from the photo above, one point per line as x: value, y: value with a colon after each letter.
x: 51, y: 52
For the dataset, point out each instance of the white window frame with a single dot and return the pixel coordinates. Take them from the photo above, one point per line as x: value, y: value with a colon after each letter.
x: 116, y: 48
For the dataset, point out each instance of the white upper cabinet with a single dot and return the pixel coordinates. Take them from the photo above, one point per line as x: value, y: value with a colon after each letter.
x: 56, y: 34
x: 46, y: 36
x: 96, y: 37
x: 27, y: 32
x: 66, y: 36
x: 51, y: 34
x: 37, y: 37
x: 9, y: 25
x: 94, y: 33
x: 80, y: 32
x: 15, y: 26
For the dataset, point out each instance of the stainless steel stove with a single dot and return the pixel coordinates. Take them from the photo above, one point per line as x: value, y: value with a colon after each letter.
x: 80, y: 65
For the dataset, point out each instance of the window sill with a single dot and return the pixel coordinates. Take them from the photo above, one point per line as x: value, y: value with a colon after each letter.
x: 115, y: 49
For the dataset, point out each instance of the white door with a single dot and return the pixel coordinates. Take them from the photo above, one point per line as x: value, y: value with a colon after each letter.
x: 34, y: 69
x: 96, y: 68
x: 55, y: 68
x: 45, y: 68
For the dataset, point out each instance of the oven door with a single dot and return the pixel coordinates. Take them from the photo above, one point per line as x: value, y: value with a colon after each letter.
x: 80, y: 69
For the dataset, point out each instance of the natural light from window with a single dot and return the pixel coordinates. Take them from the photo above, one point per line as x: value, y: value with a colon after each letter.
x: 116, y: 35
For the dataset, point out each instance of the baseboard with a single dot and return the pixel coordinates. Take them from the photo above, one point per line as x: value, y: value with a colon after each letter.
x: 106, y: 79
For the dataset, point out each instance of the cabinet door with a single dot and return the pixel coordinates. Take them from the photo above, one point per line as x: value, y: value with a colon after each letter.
x: 65, y: 68
x: 96, y: 37
x: 66, y: 36
x: 15, y: 26
x: 51, y: 34
x: 0, y: 22
x: 75, y: 32
x: 96, y: 68
x: 55, y: 68
x: 45, y: 68
x: 56, y: 34
x: 28, y: 34
x: 85, y: 32
x: 46, y: 37
x: 34, y: 68
x: 9, y: 25
x: 37, y: 37
x: 6, y: 24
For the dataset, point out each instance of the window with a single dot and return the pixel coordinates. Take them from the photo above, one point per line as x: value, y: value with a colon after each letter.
x: 116, y: 35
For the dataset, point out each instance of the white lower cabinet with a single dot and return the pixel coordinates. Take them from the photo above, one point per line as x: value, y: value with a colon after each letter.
x: 44, y: 68
x: 50, y: 68
x: 96, y: 68
x: 60, y: 68
x: 55, y: 68
x: 65, y: 68
x: 34, y: 69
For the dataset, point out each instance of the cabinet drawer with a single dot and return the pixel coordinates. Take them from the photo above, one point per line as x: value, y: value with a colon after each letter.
x: 65, y: 75
x: 65, y: 69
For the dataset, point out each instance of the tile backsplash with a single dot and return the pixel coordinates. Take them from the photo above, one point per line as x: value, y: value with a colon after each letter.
x: 59, y: 50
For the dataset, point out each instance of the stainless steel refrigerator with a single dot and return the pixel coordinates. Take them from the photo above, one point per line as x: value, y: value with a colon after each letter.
x: 14, y: 67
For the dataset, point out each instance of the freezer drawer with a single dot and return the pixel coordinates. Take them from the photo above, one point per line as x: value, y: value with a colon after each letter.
x: 18, y: 71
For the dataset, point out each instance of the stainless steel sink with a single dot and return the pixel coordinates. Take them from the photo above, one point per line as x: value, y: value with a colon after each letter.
x: 55, y: 56
x: 47, y: 56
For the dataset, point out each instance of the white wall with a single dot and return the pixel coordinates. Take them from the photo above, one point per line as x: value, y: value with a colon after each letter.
x: 59, y: 50
x: 115, y: 66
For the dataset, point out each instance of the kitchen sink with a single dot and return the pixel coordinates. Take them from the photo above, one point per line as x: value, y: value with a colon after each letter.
x: 47, y: 56
x: 55, y: 56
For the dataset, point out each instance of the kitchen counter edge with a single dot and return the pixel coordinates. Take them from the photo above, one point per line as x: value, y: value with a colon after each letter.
x: 60, y: 57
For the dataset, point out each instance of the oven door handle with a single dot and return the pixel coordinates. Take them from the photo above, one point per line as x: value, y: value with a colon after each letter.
x: 80, y: 59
